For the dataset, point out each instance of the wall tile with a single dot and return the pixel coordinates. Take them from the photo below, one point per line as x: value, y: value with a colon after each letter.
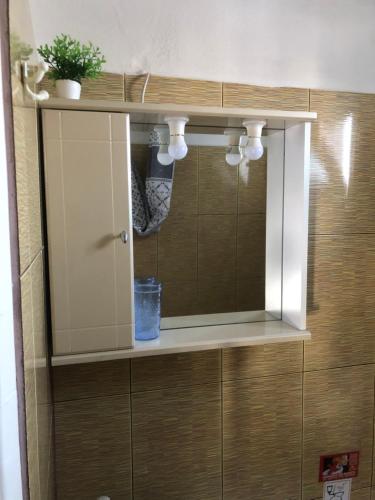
x: 108, y: 87
x: 177, y: 443
x: 252, y: 187
x: 37, y: 385
x: 30, y: 386
x: 338, y: 417
x: 216, y: 295
x: 173, y: 90
x: 253, y: 96
x: 251, y: 293
x: 262, y: 438
x: 179, y: 298
x: 43, y: 390
x: 217, y: 247
x: 175, y: 370
x: 145, y: 255
x: 218, y: 182
x: 177, y: 249
x: 43, y: 387
x: 251, y: 244
x: 341, y: 299
x: 363, y: 494
x: 27, y: 179
x: 93, y: 448
x: 342, y: 183
x: 108, y: 378
x: 185, y: 184
x: 261, y: 361
x: 44, y: 447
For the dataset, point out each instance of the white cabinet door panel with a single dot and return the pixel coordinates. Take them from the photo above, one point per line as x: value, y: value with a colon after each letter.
x: 87, y: 170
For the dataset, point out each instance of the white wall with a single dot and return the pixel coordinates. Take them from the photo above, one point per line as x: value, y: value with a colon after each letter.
x: 327, y: 44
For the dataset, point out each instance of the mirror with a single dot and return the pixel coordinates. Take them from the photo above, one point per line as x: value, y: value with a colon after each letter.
x: 223, y: 230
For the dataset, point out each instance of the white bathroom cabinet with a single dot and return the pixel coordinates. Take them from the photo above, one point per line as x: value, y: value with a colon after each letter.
x: 89, y: 232
x: 87, y: 180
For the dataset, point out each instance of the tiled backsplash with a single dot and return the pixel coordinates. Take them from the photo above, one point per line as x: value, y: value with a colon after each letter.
x: 264, y: 414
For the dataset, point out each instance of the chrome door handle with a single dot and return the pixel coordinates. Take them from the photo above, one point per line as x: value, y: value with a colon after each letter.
x: 124, y: 236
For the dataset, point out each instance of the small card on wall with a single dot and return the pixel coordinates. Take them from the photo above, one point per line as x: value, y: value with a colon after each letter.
x: 339, y: 466
x: 337, y: 490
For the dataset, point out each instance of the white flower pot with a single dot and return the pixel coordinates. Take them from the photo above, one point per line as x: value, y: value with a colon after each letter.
x: 68, y: 89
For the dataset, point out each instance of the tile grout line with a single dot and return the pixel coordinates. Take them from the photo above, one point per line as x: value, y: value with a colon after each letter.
x: 302, y: 420
x: 198, y: 225
x: 373, y: 441
x: 30, y: 265
x: 131, y: 430
x: 222, y: 422
x: 236, y: 279
x: 338, y: 367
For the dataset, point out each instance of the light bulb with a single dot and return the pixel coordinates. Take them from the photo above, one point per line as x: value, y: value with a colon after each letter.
x: 177, y: 146
x: 233, y: 154
x: 163, y: 157
x: 254, y: 149
x: 163, y: 138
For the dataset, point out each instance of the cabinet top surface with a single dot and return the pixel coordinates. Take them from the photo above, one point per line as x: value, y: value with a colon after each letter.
x: 199, y: 115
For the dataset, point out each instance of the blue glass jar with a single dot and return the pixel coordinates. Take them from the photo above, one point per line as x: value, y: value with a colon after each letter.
x: 147, y: 294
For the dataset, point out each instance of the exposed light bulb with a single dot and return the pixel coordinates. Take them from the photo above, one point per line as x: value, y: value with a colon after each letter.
x: 254, y: 148
x: 234, y: 153
x: 164, y: 158
x: 233, y: 156
x: 177, y: 148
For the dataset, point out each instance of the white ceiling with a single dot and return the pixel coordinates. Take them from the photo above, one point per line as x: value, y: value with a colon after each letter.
x: 328, y: 44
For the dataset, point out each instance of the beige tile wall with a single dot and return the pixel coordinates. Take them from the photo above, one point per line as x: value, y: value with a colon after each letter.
x: 36, y: 362
x: 260, y: 416
x: 38, y: 403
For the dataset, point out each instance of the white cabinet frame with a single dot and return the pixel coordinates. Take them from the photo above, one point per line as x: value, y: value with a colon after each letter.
x: 286, y: 231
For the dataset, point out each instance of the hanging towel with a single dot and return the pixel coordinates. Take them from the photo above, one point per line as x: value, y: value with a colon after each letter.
x: 151, y: 199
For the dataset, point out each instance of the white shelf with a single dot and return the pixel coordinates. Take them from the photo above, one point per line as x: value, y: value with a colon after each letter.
x: 199, y: 115
x: 197, y: 339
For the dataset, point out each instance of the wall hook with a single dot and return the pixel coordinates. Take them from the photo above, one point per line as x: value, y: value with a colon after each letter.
x: 40, y: 72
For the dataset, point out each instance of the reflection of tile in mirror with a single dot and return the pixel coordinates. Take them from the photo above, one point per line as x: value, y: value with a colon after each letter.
x: 217, y: 182
x: 210, y: 252
x: 216, y: 246
x: 251, y: 241
x: 177, y: 249
x: 185, y: 184
x: 179, y: 298
x: 252, y: 186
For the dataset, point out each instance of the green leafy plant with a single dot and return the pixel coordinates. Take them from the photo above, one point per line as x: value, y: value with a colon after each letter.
x: 19, y: 50
x: 68, y: 59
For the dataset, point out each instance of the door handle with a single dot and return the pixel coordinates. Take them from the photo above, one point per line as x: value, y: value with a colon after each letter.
x: 124, y: 236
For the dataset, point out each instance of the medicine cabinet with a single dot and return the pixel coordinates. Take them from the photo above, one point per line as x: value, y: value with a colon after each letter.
x: 231, y: 256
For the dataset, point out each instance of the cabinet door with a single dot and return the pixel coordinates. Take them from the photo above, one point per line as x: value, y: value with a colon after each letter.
x: 88, y: 200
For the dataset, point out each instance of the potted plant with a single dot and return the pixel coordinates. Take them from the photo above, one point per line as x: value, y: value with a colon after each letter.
x: 69, y: 62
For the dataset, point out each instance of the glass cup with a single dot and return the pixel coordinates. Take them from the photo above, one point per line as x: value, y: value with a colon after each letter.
x: 147, y: 294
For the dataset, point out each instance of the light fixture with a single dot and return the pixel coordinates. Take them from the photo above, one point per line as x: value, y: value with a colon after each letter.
x: 177, y: 146
x: 164, y: 157
x: 233, y: 154
x: 254, y: 148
